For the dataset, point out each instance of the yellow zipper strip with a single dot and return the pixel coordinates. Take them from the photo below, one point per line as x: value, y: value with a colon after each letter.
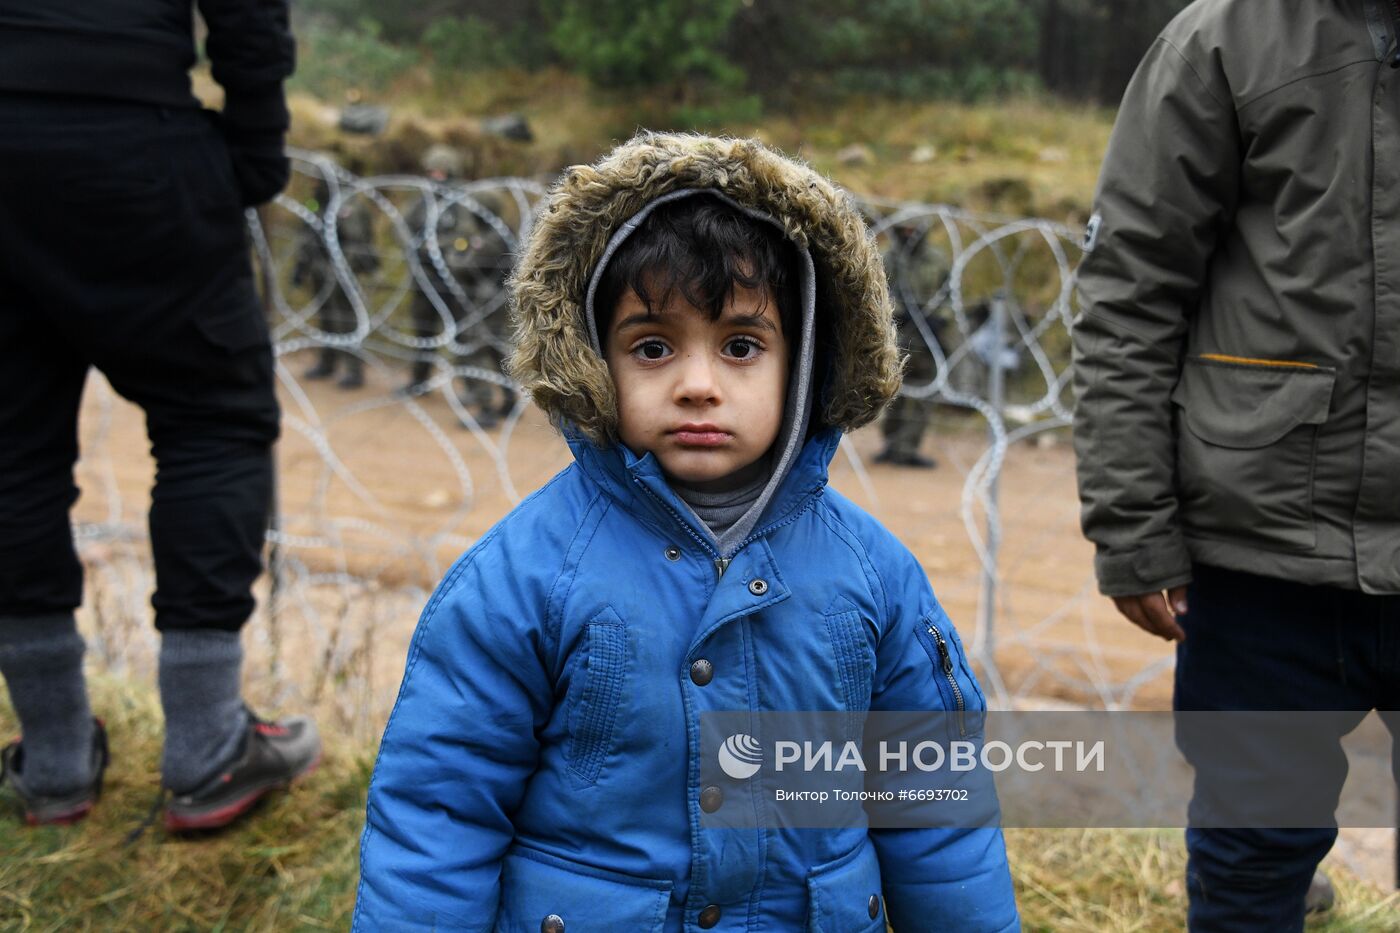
x: 1287, y: 364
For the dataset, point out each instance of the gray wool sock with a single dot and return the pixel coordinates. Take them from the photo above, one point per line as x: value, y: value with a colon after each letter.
x: 41, y: 658
x: 200, y: 690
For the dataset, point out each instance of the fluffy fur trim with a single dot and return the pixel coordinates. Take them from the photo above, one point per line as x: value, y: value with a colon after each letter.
x: 553, y: 360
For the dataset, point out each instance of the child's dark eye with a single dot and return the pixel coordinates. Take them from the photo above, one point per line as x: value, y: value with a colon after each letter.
x: 651, y: 350
x: 743, y: 348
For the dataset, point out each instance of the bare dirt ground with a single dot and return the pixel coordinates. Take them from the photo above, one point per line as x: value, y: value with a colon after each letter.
x: 379, y: 496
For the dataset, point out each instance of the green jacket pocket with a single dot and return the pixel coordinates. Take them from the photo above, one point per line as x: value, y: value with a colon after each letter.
x: 1246, y: 435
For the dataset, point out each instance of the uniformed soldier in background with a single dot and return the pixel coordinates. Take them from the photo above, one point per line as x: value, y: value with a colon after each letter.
x: 353, y: 223
x: 916, y: 270
x: 477, y: 259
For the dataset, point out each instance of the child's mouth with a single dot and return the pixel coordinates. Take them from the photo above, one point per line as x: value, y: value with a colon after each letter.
x: 700, y: 436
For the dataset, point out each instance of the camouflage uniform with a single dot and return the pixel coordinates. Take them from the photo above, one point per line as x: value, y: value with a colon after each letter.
x: 916, y: 270
x: 478, y: 259
x: 354, y: 226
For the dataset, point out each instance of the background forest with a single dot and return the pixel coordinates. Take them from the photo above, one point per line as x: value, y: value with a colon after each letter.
x: 771, y: 51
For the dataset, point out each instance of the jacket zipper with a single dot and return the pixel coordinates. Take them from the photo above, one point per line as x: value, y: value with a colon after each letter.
x: 946, y: 658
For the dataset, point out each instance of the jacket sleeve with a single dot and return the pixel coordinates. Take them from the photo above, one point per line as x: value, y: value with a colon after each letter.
x: 251, y: 52
x: 456, y: 756
x: 1169, y: 184
x: 933, y: 878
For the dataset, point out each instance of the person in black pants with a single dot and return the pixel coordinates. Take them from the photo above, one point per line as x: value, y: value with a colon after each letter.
x: 123, y: 247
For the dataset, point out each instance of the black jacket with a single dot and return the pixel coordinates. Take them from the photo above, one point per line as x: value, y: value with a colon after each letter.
x: 142, y: 50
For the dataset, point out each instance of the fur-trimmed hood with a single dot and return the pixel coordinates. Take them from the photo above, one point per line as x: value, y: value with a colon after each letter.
x: 554, y: 360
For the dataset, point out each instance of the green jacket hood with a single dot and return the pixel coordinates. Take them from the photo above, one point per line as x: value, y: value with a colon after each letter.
x: 554, y: 360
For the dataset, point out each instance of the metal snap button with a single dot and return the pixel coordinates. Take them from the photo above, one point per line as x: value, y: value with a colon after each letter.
x: 711, y: 799
x: 702, y: 672
x: 673, y: 553
x: 873, y: 908
x: 758, y: 586
x: 709, y: 917
x: 552, y: 924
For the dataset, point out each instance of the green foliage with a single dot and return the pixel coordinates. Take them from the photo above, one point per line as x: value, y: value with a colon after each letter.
x: 913, y: 49
x: 624, y: 44
x: 953, y: 34
x: 468, y: 44
x: 716, y: 116
x: 471, y: 43
x: 332, y: 59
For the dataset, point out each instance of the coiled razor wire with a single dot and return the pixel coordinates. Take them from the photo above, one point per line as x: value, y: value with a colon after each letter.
x: 989, y: 299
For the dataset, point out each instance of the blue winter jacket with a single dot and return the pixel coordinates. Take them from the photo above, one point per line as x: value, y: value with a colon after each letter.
x: 541, y: 772
x: 542, y: 757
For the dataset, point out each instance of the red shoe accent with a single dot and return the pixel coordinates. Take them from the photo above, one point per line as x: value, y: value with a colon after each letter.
x: 214, y: 819
x: 63, y: 819
x: 217, y: 819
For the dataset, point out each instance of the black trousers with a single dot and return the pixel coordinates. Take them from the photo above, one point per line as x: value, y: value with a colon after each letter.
x: 123, y: 247
x: 1258, y: 643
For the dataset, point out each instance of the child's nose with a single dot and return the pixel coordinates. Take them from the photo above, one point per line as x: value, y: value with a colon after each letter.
x: 697, y: 380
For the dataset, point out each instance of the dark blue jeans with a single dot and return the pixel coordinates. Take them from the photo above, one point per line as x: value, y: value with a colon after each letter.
x: 1259, y: 643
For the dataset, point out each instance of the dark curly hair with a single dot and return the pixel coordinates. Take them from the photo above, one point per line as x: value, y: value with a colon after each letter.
x: 702, y: 248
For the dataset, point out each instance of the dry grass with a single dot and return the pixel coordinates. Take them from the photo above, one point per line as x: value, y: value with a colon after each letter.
x: 294, y: 866
x: 1131, y: 881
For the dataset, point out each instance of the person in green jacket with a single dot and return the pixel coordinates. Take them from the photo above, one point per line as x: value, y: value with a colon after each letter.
x: 1237, y: 366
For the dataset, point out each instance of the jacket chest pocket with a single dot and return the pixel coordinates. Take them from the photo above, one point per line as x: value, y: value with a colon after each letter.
x: 593, y: 704
x: 540, y: 891
x: 1246, y: 434
x: 854, y: 659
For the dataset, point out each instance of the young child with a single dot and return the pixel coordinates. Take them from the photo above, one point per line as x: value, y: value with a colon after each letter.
x: 702, y: 318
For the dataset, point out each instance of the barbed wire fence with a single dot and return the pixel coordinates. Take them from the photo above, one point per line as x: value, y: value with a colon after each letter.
x: 385, y: 480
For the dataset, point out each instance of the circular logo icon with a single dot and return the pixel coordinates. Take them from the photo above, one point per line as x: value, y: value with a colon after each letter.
x: 740, y: 756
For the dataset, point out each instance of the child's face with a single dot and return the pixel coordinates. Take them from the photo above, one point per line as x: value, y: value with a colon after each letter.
x: 705, y: 397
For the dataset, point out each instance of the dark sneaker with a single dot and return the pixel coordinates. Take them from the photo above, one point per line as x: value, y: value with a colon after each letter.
x: 273, y: 755
x: 905, y: 458
x: 918, y: 461
x: 324, y: 369
x: 41, y: 809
